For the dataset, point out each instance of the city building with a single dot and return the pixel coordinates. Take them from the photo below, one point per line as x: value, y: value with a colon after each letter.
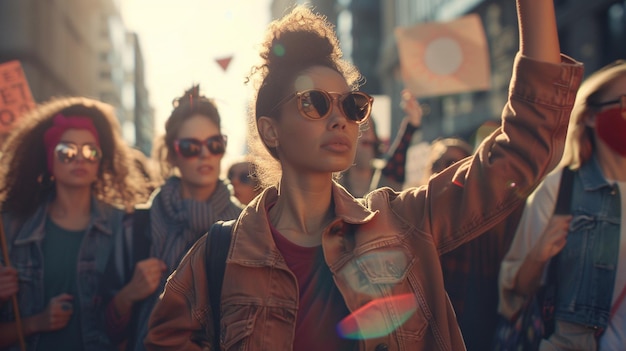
x: 80, y: 48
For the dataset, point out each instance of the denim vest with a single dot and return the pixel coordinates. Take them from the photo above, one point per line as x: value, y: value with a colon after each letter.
x: 25, y: 238
x: 586, y: 267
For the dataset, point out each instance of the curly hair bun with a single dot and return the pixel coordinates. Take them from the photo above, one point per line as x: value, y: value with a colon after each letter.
x: 302, y: 38
x: 300, y: 48
x: 190, y: 95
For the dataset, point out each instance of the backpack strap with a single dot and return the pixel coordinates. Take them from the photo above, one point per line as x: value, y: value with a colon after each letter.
x: 217, y: 246
x: 564, y: 200
x: 141, y: 239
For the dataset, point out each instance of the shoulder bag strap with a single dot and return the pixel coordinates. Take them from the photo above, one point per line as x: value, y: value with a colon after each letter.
x: 141, y: 239
x: 217, y: 246
x: 564, y: 200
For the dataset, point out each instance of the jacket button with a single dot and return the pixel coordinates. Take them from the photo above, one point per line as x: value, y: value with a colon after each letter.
x: 382, y: 347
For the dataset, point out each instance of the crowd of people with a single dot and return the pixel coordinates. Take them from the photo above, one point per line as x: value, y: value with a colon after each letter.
x: 330, y: 247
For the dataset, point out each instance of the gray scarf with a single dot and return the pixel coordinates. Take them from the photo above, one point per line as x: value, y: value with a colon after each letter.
x: 177, y: 223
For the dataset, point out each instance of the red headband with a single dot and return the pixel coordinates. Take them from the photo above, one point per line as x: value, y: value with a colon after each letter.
x: 60, y: 124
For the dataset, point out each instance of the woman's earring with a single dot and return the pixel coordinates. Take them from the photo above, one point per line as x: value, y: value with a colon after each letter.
x: 45, y: 180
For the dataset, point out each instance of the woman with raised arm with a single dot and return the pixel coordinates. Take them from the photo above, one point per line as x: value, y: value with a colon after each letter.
x: 309, y: 266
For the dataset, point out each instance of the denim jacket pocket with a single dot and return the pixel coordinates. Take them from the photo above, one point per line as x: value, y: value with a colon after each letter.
x: 237, y: 324
x: 29, y: 287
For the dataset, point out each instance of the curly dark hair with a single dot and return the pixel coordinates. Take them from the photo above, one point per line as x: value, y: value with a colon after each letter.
x: 296, y: 42
x: 190, y: 104
x: 24, y: 177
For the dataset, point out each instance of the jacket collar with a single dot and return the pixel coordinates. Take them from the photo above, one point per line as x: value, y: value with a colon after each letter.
x: 33, y: 228
x: 591, y: 175
x: 253, y: 243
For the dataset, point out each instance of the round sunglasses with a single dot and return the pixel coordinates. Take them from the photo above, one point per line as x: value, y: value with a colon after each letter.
x: 318, y: 104
x: 192, y: 147
x: 67, y: 152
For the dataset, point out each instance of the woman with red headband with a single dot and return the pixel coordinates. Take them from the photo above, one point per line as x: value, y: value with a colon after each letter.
x: 66, y: 178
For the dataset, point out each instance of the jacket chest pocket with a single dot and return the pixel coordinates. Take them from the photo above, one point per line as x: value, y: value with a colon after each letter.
x: 385, y: 265
x: 595, y: 238
x: 255, y: 327
x: 382, y: 273
x: 376, y: 267
x: 29, y: 294
x: 237, y: 324
x: 30, y: 286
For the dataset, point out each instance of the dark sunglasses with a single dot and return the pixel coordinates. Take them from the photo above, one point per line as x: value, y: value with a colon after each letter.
x: 242, y: 177
x: 621, y: 101
x: 67, y: 152
x: 318, y: 104
x: 192, y: 147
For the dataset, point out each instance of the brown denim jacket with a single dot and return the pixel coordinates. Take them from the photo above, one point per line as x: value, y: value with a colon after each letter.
x: 386, y: 244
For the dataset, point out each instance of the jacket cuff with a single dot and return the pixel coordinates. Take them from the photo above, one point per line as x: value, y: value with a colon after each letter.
x: 560, y: 80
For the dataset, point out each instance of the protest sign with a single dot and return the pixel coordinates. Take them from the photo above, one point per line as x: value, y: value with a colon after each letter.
x: 15, y: 95
x: 441, y: 58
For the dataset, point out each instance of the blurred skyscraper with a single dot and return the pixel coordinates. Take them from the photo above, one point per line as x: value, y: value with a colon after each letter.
x: 80, y: 47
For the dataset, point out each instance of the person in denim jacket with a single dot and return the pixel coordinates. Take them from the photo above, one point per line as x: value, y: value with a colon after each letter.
x: 588, y: 246
x: 309, y: 266
x: 67, y: 184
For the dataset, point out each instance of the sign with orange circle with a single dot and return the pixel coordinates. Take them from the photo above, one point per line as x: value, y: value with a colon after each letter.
x: 443, y: 58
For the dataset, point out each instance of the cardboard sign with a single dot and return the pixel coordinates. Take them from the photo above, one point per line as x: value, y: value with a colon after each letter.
x: 15, y: 95
x: 442, y: 58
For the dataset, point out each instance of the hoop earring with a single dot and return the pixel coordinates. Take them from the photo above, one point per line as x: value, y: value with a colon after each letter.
x: 45, y: 180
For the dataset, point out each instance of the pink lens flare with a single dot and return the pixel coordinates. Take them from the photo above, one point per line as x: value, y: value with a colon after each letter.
x: 374, y: 319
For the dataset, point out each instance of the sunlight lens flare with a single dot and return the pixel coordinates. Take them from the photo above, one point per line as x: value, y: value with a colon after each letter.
x: 374, y: 319
x: 279, y: 50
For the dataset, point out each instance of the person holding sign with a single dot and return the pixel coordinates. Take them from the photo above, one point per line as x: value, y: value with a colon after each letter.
x: 15, y: 97
x: 66, y: 179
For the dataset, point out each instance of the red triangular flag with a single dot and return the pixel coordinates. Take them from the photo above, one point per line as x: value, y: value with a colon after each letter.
x: 224, y: 62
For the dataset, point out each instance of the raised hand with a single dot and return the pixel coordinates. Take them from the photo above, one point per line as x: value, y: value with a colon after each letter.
x: 412, y: 108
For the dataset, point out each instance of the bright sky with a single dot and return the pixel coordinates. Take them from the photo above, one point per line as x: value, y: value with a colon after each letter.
x: 181, y: 40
